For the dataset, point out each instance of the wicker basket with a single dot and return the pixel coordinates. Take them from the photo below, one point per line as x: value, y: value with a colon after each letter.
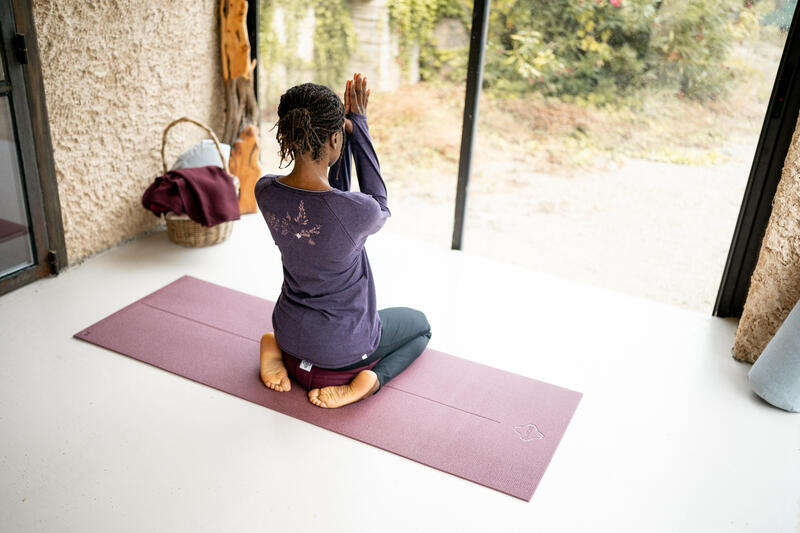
x: 180, y: 228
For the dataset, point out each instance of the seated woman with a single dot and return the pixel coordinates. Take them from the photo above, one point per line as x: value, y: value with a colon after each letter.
x: 329, y: 335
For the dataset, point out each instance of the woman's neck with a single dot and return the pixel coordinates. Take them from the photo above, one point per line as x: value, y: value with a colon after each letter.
x: 308, y: 174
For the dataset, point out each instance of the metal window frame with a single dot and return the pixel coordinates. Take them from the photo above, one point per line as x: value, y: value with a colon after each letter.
x: 469, y: 124
x: 773, y: 145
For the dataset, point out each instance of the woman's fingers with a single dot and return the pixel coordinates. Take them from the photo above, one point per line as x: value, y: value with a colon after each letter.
x: 362, y: 92
x: 355, y: 95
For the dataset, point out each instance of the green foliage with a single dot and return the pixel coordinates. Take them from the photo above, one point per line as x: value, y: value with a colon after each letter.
x: 414, y: 22
x: 598, y: 50
x: 334, y: 42
x: 590, y: 49
x: 275, y: 51
x: 690, y: 42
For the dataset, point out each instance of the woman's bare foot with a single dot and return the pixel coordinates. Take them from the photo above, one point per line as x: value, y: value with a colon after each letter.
x: 273, y: 372
x: 363, y: 385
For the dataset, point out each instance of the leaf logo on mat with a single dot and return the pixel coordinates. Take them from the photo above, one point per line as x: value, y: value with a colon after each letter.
x: 529, y: 432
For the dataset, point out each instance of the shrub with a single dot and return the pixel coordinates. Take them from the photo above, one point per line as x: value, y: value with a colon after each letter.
x: 569, y: 47
x: 598, y: 50
x: 690, y: 42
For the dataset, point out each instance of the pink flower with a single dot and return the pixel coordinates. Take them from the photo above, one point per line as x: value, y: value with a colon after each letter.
x: 615, y: 3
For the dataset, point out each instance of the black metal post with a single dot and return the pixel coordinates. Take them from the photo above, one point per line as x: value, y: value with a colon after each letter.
x: 477, y: 45
x: 773, y: 145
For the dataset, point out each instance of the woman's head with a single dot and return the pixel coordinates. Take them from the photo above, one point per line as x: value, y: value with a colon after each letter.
x: 308, y: 115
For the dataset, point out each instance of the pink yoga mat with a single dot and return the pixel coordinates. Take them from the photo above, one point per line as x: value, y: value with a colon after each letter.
x: 480, y: 423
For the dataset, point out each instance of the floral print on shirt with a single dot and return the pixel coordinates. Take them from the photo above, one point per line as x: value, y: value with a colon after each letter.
x: 297, y: 227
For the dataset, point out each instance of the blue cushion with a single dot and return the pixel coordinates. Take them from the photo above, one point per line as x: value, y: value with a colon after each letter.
x: 202, y: 154
x: 775, y: 376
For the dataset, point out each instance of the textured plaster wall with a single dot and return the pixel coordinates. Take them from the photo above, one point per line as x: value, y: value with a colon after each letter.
x: 775, y: 284
x: 116, y: 72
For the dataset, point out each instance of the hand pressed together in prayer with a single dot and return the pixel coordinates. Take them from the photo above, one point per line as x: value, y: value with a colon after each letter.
x: 356, y: 96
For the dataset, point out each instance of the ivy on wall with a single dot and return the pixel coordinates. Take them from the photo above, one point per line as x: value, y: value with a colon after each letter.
x: 415, y: 20
x: 333, y: 41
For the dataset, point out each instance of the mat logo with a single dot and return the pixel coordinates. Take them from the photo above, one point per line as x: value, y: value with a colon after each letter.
x: 528, y: 432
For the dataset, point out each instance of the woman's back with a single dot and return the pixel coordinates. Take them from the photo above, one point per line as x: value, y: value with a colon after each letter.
x: 327, y: 312
x: 328, y: 333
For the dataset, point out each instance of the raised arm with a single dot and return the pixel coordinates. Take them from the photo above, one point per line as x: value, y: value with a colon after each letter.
x: 340, y: 172
x: 368, y: 169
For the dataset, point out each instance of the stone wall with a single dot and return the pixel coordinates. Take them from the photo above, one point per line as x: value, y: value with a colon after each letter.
x: 376, y: 52
x: 115, y: 74
x: 379, y: 48
x: 775, y: 284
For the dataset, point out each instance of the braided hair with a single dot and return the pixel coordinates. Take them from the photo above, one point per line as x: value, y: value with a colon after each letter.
x: 308, y: 115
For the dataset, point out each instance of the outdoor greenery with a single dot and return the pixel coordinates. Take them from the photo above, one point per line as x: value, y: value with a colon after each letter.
x: 599, y: 50
x: 334, y: 40
x: 414, y: 22
x: 592, y: 51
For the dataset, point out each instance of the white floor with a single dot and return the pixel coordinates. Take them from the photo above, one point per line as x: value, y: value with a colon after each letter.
x: 668, y: 436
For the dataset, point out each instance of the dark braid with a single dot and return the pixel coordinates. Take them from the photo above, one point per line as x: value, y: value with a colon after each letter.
x: 307, y: 116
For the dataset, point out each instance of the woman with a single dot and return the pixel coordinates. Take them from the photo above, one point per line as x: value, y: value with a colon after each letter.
x: 329, y: 335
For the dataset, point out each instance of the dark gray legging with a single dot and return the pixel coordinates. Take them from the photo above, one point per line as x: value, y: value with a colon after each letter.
x: 404, y: 334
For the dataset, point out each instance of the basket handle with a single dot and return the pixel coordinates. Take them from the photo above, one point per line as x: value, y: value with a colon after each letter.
x: 208, y: 130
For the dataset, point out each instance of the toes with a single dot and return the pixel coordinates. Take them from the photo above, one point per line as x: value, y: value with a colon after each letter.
x: 313, y: 397
x: 281, y: 383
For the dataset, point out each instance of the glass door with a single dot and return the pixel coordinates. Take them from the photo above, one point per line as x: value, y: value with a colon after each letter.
x: 16, y: 246
x: 28, y: 206
x: 616, y: 138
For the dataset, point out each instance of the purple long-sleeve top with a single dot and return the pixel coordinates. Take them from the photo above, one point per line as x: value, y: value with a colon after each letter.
x: 326, y: 312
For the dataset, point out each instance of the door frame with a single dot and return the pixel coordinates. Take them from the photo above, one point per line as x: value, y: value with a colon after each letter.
x: 35, y: 148
x: 779, y: 125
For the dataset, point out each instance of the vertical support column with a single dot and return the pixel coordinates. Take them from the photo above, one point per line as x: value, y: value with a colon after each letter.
x: 477, y: 46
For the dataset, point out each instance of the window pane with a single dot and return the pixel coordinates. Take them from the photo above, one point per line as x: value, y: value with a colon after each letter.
x: 616, y: 138
x: 417, y: 99
x: 15, y: 240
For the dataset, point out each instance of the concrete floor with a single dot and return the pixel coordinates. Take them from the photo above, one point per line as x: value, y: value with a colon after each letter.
x: 668, y: 435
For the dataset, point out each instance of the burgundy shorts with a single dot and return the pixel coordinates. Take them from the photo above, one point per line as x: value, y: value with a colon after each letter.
x: 315, y: 377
